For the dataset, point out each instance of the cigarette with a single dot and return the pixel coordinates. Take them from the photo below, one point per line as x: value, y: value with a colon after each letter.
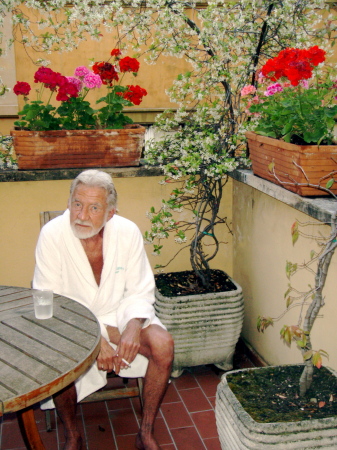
x: 125, y: 362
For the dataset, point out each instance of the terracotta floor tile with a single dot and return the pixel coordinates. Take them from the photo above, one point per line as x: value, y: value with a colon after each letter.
x: 205, y: 423
x: 100, y: 437
x: 49, y: 440
x: 209, y: 384
x: 176, y: 415
x: 11, y: 435
x: 94, y: 410
x: 185, y: 381
x: 212, y: 400
x: 187, y: 438
x: 119, y: 403
x: 161, y: 432
x: 124, y: 422
x: 212, y: 444
x: 171, y: 395
x: 137, y: 406
x: 126, y: 442
x: 195, y: 400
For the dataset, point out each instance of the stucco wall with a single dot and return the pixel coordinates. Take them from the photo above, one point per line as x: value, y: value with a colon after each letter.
x: 21, y: 203
x: 262, y: 244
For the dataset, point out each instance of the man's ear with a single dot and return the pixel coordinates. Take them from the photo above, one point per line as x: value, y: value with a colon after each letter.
x: 111, y: 214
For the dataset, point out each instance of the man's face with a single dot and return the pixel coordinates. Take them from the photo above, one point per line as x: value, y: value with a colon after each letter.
x: 88, y: 211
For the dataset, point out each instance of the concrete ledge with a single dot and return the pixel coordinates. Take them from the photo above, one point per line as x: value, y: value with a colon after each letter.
x: 69, y: 174
x: 323, y: 209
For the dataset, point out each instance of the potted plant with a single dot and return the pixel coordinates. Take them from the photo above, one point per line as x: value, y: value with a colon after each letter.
x: 296, y: 403
x: 74, y: 134
x: 201, y: 147
x: 291, y: 140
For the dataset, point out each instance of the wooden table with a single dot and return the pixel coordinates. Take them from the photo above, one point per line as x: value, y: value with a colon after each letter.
x: 41, y: 357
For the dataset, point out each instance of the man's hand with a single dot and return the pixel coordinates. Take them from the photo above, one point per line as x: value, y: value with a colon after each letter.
x: 106, y: 357
x: 128, y: 343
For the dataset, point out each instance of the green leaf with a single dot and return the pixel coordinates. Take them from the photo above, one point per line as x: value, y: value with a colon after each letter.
x: 289, y: 302
x: 330, y: 183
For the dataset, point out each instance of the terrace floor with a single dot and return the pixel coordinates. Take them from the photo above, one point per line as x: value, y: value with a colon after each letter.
x: 186, y: 420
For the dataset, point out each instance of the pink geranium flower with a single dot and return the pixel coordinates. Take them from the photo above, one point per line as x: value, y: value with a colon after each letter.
x: 92, y: 80
x: 81, y: 71
x: 273, y: 89
x: 247, y: 90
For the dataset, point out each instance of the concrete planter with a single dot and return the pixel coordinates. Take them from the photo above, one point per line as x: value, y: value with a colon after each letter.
x: 238, y: 431
x: 205, y: 327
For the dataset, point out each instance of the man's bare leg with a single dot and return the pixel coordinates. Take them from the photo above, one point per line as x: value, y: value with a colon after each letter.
x: 66, y: 405
x: 157, y: 345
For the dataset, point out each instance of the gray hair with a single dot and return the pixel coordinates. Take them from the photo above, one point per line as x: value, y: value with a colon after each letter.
x: 97, y: 178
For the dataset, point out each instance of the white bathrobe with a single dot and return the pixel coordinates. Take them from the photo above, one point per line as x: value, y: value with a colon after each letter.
x: 126, y: 289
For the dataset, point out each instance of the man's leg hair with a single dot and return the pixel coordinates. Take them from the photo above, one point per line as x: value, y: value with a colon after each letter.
x: 157, y: 345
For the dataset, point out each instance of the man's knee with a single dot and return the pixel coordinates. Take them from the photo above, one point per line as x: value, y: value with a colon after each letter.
x: 161, y: 344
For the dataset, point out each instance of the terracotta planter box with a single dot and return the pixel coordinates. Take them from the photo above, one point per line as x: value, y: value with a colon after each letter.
x: 205, y: 327
x: 78, y: 148
x: 239, y: 431
x: 317, y: 162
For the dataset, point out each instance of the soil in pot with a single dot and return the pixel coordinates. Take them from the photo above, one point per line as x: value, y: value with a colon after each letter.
x: 272, y: 394
x: 175, y: 284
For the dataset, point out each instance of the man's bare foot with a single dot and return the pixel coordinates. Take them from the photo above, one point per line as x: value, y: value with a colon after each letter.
x: 73, y: 443
x: 146, y: 442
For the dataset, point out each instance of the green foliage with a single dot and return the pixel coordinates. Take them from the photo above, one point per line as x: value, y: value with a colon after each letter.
x: 38, y: 116
x: 76, y: 114
x: 263, y: 323
x: 297, y: 111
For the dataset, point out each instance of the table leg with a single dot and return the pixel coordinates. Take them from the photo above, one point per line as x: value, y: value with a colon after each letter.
x: 29, y: 431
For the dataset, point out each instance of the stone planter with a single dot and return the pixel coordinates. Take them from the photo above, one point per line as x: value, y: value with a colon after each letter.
x: 238, y: 431
x: 205, y: 327
x: 78, y: 148
x: 317, y: 163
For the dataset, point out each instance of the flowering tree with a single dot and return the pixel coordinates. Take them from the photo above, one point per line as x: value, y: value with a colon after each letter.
x: 224, y: 43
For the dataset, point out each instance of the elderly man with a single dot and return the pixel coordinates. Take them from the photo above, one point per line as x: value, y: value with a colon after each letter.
x: 97, y: 258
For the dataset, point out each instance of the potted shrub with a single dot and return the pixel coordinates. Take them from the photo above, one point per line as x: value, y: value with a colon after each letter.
x: 296, y: 403
x: 74, y: 134
x: 201, y: 147
x: 291, y: 141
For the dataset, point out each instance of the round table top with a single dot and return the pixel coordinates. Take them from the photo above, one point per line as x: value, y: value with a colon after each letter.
x: 41, y: 357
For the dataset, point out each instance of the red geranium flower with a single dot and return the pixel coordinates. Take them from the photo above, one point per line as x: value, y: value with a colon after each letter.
x: 49, y: 78
x: 106, y: 71
x: 67, y: 91
x: 316, y: 55
x: 116, y: 52
x: 128, y: 64
x: 21, y: 88
x: 293, y: 63
x: 135, y: 94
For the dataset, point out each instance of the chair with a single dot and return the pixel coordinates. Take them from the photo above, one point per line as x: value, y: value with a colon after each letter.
x: 104, y: 393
